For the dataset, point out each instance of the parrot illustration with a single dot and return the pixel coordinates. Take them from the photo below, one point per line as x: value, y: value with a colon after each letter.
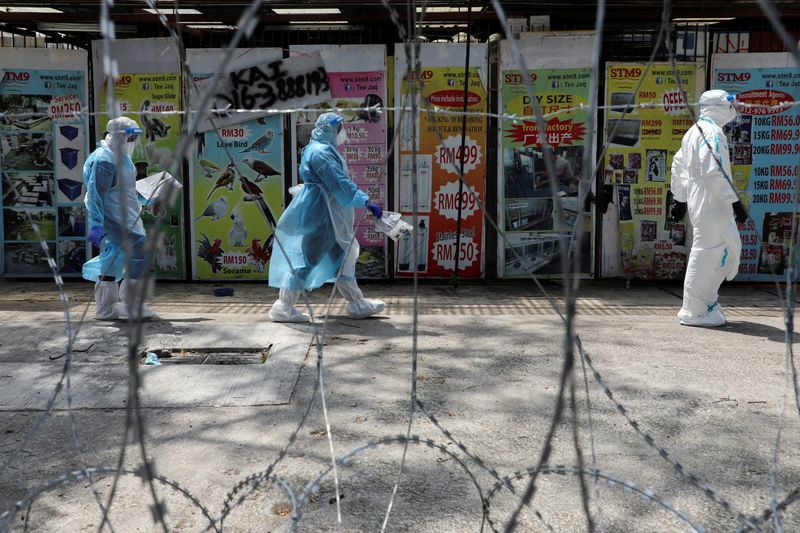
x: 261, y: 144
x: 263, y: 170
x: 211, y: 253
x: 208, y: 167
x: 225, y: 179
x: 216, y: 209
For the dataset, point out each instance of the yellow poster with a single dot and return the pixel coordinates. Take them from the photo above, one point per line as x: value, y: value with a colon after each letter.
x: 647, y: 115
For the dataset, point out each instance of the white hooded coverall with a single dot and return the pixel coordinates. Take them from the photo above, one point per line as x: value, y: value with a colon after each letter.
x: 701, y: 171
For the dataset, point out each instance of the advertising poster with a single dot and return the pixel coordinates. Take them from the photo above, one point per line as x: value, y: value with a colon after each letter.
x: 236, y: 186
x: 43, y: 144
x: 357, y: 78
x: 150, y: 99
x: 764, y: 149
x: 530, y: 214
x: 638, y: 159
x: 438, y: 159
x: 559, y: 72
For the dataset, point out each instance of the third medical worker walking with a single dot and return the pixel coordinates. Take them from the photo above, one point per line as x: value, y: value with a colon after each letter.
x: 316, y: 230
x: 701, y: 172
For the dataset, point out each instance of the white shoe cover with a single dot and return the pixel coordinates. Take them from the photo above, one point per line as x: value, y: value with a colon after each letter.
x: 713, y: 319
x: 147, y: 313
x: 364, y: 308
x: 127, y: 289
x: 283, y: 312
x: 106, y: 294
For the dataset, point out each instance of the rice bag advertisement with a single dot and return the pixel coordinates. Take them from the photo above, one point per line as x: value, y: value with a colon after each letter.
x: 43, y: 144
x: 637, y: 163
x: 764, y: 146
x: 357, y: 79
x: 151, y: 100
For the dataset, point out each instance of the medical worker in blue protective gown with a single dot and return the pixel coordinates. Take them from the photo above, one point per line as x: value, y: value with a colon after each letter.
x: 701, y: 172
x: 114, y: 208
x: 316, y: 229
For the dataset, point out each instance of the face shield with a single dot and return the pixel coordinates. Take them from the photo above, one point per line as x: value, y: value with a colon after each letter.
x: 341, y: 133
x: 737, y: 117
x: 733, y: 128
x: 131, y: 139
x: 123, y: 135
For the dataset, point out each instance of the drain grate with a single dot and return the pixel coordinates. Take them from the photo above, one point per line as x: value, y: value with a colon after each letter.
x: 208, y: 356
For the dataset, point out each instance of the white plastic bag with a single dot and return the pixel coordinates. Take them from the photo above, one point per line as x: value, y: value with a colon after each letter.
x: 393, y: 225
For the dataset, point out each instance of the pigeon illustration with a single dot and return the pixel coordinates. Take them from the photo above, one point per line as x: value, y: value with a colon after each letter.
x: 263, y: 170
x: 216, y: 209
x: 261, y: 144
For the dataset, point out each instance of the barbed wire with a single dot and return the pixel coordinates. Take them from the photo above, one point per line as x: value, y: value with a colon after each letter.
x: 756, y: 109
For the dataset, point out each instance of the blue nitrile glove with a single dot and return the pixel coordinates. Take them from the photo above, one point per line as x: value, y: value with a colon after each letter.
x: 96, y: 234
x: 375, y: 209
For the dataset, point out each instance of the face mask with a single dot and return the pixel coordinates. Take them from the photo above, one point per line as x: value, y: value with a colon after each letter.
x: 341, y: 138
x: 129, y: 148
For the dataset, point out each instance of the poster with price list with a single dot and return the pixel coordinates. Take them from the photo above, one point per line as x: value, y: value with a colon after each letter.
x: 764, y: 146
x: 357, y: 78
x: 645, y: 124
x: 436, y: 138
x: 43, y: 143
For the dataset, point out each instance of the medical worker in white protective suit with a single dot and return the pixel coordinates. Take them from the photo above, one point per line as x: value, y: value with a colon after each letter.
x: 113, y: 207
x: 701, y: 172
x: 316, y: 230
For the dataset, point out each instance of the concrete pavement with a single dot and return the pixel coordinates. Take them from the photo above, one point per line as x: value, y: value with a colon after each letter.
x: 488, y: 366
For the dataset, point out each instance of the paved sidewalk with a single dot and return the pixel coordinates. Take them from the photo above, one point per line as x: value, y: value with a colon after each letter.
x: 488, y: 366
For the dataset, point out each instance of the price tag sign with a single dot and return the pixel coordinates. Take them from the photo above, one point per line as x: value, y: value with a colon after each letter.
x: 282, y: 84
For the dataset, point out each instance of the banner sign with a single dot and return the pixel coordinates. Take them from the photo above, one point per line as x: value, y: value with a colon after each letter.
x: 237, y: 197
x: 530, y: 213
x: 357, y: 78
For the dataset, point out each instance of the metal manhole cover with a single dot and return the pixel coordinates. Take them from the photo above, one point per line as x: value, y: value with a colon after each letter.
x: 208, y: 356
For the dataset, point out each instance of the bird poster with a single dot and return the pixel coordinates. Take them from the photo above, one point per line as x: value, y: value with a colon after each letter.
x: 152, y: 100
x: 237, y: 198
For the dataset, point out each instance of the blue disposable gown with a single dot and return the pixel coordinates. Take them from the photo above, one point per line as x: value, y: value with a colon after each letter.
x: 105, y: 187
x: 317, y: 227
